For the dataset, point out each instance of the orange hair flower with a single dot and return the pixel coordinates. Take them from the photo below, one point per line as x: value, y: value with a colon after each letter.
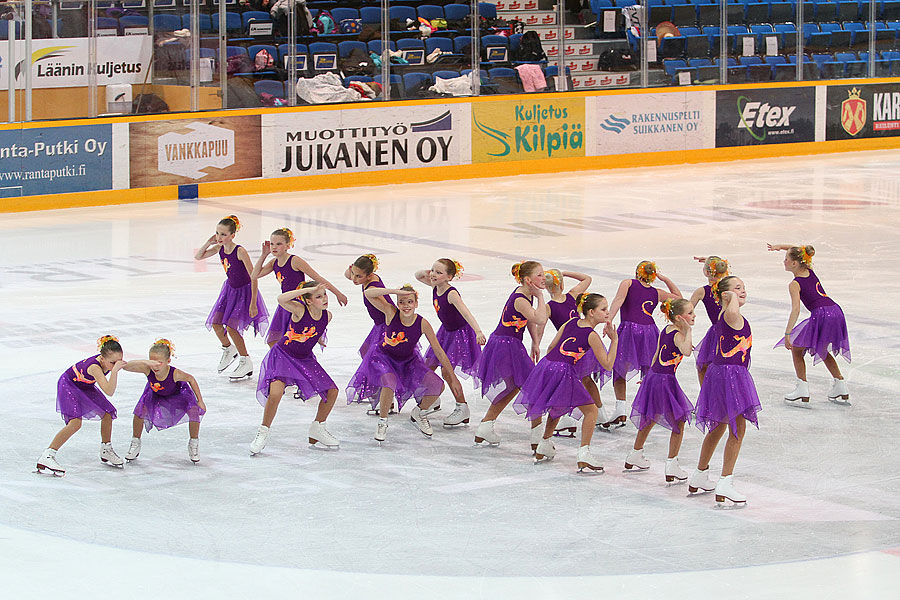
x: 459, y: 269
x: 106, y: 338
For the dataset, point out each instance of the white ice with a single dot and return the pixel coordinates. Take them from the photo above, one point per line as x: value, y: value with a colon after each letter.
x: 441, y: 518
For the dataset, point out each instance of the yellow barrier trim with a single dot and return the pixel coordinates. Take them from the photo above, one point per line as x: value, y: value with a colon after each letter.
x: 443, y: 173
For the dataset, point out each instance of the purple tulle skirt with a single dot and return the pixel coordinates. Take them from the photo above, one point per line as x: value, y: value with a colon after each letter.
x: 305, y: 373
x: 163, y: 412
x: 504, y: 365
x: 728, y: 392
x: 705, y: 351
x: 407, y: 379
x: 462, y: 349
x: 553, y: 388
x: 589, y: 366
x: 823, y: 333
x: 660, y: 400
x: 637, y: 345
x: 232, y: 309
x: 279, y: 324
x: 73, y: 402
x: 374, y: 337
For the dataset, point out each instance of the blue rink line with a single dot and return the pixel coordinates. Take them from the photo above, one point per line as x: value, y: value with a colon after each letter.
x: 399, y: 237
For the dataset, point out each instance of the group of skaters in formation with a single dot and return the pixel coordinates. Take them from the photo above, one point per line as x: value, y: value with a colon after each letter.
x: 552, y: 392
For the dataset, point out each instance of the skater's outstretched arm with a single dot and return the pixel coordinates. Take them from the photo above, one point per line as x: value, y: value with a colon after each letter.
x: 376, y: 296
x: 209, y: 248
x: 617, y: 302
x: 605, y: 357
x: 299, y: 264
x: 286, y: 300
x: 140, y: 366
x: 697, y: 296
x: 584, y: 282
x: 794, y: 290
x: 457, y: 301
x: 263, y: 268
x: 107, y: 385
x: 779, y: 247
x: 673, y: 292
x: 187, y: 377
x: 424, y: 276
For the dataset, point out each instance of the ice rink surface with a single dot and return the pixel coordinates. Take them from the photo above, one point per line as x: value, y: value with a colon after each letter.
x: 441, y: 518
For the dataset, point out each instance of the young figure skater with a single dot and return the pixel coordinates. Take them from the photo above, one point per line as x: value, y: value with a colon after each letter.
x: 505, y: 363
x: 637, y: 298
x: 562, y: 308
x: 823, y: 334
x: 714, y: 268
x: 230, y: 315
x: 291, y: 362
x: 728, y: 398
x: 290, y: 271
x: 556, y: 387
x: 170, y: 397
x: 362, y: 273
x: 459, y: 334
x: 393, y: 367
x: 78, y: 397
x: 660, y: 398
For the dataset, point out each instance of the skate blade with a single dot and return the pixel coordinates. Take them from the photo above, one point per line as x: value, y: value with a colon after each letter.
x: 483, y: 442
x: 725, y: 503
x: 241, y: 377
x: 464, y: 423
x: 692, y: 491
x: 840, y: 400
x: 568, y: 432
x: 672, y: 480
x: 42, y: 470
x: 540, y: 458
x: 586, y: 468
x: 106, y: 462
x: 320, y: 446
x: 634, y: 469
x: 798, y: 402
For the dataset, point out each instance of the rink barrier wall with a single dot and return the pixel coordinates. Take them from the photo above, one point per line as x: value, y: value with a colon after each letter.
x: 96, y: 162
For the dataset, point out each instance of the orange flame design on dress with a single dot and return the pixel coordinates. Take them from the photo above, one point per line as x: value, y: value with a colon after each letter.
x: 575, y: 354
x: 156, y: 387
x: 80, y: 378
x: 644, y: 307
x: 226, y: 265
x: 279, y: 277
x: 437, y: 307
x: 292, y: 336
x: 394, y: 340
x: 515, y: 322
x: 743, y: 346
x: 820, y: 291
x: 675, y: 361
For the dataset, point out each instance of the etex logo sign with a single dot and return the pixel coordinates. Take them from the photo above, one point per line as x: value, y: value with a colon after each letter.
x: 765, y: 116
x: 615, y: 124
x: 187, y: 154
x: 759, y: 118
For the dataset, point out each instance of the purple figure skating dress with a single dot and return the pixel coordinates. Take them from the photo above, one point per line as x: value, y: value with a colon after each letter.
x: 554, y: 386
x: 728, y: 390
x: 166, y: 403
x: 706, y: 349
x: 456, y: 337
x: 637, y: 331
x: 505, y: 363
x: 77, y: 395
x: 588, y: 366
x: 292, y: 362
x: 660, y: 398
x: 395, y: 363
x: 232, y: 308
x: 290, y: 280
x: 825, y: 331
x: 377, y: 316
